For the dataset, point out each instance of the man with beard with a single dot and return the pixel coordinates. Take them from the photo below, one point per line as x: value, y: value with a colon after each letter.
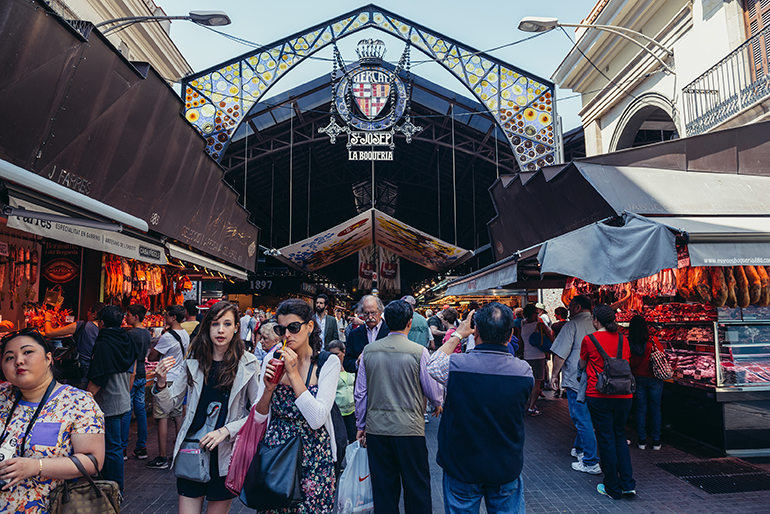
x: 326, y: 323
x: 110, y: 382
x: 374, y: 328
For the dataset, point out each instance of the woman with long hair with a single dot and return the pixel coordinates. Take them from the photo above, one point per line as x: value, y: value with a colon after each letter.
x: 43, y: 424
x: 609, y: 412
x: 649, y: 389
x: 221, y: 386
x: 292, y: 407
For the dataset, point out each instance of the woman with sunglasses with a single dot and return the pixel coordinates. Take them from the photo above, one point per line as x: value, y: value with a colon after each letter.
x: 219, y: 371
x: 301, y: 404
x: 43, y: 423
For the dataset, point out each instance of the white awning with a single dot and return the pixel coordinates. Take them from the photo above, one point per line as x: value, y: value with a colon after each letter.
x: 37, y: 183
x: 177, y: 252
x: 101, y: 240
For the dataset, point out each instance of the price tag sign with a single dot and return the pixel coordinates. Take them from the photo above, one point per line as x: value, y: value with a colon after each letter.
x: 683, y: 256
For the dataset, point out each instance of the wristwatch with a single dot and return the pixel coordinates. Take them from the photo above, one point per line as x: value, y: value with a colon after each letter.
x: 455, y: 334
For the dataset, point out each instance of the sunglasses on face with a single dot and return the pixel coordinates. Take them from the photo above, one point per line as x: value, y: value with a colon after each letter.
x: 292, y: 327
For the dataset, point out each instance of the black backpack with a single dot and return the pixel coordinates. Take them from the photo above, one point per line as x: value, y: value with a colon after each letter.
x: 616, y: 377
x: 340, y: 433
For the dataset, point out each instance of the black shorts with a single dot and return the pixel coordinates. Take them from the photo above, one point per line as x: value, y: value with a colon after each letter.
x: 538, y: 368
x: 214, y: 490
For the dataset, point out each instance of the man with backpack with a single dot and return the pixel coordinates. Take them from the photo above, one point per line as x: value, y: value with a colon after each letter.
x: 174, y: 342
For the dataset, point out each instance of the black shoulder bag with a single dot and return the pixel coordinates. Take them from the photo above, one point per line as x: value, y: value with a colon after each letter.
x: 273, y: 480
x: 67, y: 357
x: 616, y: 377
x: 179, y: 340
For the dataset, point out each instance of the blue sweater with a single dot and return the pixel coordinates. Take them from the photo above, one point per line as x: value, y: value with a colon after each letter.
x: 481, y: 435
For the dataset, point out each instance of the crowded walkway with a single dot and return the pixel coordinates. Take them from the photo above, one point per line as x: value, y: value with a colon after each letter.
x: 551, y: 486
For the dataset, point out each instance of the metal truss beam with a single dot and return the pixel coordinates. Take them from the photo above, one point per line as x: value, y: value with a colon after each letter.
x: 522, y: 104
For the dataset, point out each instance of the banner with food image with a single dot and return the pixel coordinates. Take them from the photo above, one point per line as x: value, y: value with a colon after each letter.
x: 389, y: 282
x: 366, y: 268
x: 328, y: 247
x: 60, y: 268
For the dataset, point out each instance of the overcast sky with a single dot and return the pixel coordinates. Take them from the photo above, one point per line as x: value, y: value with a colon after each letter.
x: 481, y: 25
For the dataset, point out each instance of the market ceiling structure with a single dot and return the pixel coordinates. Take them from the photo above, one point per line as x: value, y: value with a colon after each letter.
x: 522, y: 104
x: 416, y: 187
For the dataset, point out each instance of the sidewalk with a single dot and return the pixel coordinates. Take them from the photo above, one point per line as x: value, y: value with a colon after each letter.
x: 551, y: 486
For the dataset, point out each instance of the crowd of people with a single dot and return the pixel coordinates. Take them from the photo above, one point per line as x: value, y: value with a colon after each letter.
x: 386, y: 368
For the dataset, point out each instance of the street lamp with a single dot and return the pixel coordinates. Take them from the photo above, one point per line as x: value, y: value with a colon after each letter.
x: 541, y: 24
x: 205, y: 18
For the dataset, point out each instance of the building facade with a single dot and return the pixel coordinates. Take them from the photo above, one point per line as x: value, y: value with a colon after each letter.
x: 706, y: 70
x: 143, y: 42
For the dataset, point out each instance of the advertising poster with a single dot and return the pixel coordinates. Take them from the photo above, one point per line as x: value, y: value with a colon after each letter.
x: 390, y: 273
x: 60, y: 265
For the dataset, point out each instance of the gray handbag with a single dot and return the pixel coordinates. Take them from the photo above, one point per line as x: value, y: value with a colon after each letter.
x: 192, y: 461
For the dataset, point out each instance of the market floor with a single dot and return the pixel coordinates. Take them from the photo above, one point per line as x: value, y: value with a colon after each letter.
x: 551, y: 485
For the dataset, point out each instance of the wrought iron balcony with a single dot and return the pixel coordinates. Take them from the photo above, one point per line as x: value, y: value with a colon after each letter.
x: 731, y: 86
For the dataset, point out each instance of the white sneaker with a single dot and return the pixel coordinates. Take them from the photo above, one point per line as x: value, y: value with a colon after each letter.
x: 656, y: 446
x: 592, y: 470
x: 574, y: 453
x: 642, y: 446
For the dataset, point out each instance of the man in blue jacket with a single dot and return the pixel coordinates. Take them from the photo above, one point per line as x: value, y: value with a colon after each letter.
x: 488, y: 466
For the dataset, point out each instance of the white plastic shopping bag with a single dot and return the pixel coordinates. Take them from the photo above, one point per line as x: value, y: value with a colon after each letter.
x: 355, y: 488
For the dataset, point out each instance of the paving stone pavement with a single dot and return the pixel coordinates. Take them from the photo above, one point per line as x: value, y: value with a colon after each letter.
x: 551, y: 486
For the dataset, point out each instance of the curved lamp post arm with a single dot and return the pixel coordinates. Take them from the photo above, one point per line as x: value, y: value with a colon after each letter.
x: 615, y: 29
x: 206, y: 18
x: 610, y: 28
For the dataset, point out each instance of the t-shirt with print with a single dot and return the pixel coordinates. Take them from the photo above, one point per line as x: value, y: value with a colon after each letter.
x: 168, y: 346
x: 595, y: 362
x: 434, y: 321
x: 68, y: 411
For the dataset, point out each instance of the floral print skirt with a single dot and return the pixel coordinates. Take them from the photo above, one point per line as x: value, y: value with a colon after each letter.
x: 317, y: 464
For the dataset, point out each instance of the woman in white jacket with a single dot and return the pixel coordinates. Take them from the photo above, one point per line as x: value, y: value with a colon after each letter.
x: 221, y: 387
x: 293, y: 408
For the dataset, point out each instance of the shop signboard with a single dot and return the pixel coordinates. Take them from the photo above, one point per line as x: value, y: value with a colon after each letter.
x: 265, y: 285
x: 60, y: 265
x: 96, y: 239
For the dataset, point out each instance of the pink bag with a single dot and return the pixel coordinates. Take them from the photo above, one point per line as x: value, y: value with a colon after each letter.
x: 244, y: 449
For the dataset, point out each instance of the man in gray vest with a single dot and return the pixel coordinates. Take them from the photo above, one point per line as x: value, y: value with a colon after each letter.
x: 391, y: 386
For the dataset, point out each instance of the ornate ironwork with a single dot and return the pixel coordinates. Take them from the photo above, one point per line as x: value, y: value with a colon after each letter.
x: 521, y: 103
x: 731, y: 86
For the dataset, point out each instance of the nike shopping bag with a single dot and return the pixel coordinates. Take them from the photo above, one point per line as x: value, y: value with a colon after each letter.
x: 355, y: 489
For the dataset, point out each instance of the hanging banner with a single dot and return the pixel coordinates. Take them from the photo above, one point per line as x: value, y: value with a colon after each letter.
x: 366, y: 268
x: 416, y: 246
x: 390, y: 273
x: 330, y: 246
x: 60, y: 274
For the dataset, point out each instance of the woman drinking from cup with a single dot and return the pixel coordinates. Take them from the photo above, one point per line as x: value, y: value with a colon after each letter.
x: 44, y: 423
x: 221, y: 386
x: 297, y: 400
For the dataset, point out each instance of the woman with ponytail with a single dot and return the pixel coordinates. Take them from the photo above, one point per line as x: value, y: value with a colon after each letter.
x: 609, y: 412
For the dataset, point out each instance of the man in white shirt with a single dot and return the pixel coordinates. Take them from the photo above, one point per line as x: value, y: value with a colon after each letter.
x: 174, y: 342
x: 374, y: 328
x: 247, y: 326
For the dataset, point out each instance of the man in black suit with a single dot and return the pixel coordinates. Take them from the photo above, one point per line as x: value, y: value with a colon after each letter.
x: 327, y: 324
x: 374, y: 328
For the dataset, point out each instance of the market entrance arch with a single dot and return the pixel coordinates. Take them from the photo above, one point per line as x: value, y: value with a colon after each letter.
x: 522, y: 104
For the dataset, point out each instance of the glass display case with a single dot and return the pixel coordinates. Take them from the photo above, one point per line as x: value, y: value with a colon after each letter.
x: 743, y: 356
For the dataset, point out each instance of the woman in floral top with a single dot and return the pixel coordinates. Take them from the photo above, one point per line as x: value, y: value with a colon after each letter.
x: 69, y: 422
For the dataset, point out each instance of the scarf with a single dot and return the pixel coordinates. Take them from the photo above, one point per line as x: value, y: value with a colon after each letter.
x: 113, y: 353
